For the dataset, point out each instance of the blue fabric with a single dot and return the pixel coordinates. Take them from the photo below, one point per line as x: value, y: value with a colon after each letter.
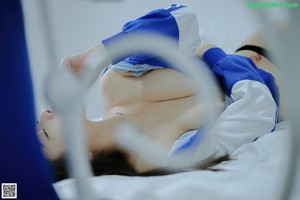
x: 234, y: 68
x: 159, y: 21
x: 213, y: 55
x: 135, y: 70
x: 270, y: 83
x: 188, y: 140
x: 22, y: 161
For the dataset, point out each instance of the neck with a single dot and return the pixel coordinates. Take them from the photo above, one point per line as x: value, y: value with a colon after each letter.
x: 91, y: 133
x: 100, y: 134
x: 91, y: 130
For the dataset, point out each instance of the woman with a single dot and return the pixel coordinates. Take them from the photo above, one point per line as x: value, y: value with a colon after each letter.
x: 161, y: 103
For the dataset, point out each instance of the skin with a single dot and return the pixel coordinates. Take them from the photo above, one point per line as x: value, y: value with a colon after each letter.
x: 163, y: 116
x: 163, y: 109
x: 257, y: 39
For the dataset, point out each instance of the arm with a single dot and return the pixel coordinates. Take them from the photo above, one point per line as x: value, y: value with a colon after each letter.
x: 93, y: 57
x: 170, y: 22
x: 253, y: 112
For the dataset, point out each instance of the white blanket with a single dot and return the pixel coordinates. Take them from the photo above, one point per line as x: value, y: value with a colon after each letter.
x: 256, y: 171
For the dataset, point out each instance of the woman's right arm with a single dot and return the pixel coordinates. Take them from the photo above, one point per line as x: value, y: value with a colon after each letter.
x: 94, y: 58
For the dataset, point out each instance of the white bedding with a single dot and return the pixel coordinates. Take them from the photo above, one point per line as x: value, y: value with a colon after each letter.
x: 256, y: 171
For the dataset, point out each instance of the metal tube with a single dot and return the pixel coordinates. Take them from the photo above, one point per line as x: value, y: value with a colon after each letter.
x: 286, y: 48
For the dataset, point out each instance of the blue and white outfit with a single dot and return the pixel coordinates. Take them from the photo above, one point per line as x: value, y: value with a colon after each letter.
x: 253, y: 112
x: 176, y: 22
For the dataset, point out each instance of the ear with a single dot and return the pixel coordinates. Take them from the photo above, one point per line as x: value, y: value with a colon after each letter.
x: 91, y: 156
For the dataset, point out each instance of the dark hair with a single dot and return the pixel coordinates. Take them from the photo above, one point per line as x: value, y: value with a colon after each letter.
x: 103, y: 163
x: 116, y: 163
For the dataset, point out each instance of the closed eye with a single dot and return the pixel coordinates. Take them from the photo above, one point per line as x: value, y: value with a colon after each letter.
x: 37, y: 123
x: 46, y: 133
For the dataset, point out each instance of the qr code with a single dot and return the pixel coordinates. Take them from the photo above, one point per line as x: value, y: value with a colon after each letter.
x: 9, y: 190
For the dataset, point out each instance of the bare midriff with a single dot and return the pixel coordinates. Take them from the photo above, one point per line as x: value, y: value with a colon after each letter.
x: 161, y: 103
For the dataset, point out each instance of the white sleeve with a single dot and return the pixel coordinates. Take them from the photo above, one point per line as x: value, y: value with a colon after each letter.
x: 253, y: 114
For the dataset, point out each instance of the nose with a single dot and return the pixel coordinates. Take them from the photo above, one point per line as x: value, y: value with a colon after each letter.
x: 46, y: 114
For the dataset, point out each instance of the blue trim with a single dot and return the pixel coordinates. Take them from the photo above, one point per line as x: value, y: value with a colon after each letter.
x: 175, y: 7
x: 276, y: 119
x: 192, y: 142
x: 159, y: 21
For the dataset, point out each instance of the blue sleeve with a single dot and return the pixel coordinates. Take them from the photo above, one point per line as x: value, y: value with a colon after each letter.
x: 159, y: 21
x: 234, y: 68
x: 213, y: 55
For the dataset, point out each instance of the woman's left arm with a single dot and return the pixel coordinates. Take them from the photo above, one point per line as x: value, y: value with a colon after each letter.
x: 253, y: 112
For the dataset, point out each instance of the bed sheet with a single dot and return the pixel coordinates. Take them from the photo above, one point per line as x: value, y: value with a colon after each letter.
x: 256, y: 171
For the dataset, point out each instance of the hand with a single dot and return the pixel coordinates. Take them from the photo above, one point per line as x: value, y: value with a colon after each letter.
x: 89, y: 64
x: 92, y: 56
x: 74, y: 63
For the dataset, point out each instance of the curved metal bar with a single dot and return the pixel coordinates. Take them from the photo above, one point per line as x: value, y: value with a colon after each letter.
x: 65, y: 94
x: 292, y: 77
x: 286, y: 48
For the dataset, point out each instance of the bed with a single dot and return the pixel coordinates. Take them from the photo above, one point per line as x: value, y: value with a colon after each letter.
x: 256, y: 171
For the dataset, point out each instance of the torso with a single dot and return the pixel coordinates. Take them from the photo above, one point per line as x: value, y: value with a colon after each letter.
x: 163, y: 119
x: 163, y: 115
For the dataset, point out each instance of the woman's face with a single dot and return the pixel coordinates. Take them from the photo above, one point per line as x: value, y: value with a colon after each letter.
x: 49, y: 131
